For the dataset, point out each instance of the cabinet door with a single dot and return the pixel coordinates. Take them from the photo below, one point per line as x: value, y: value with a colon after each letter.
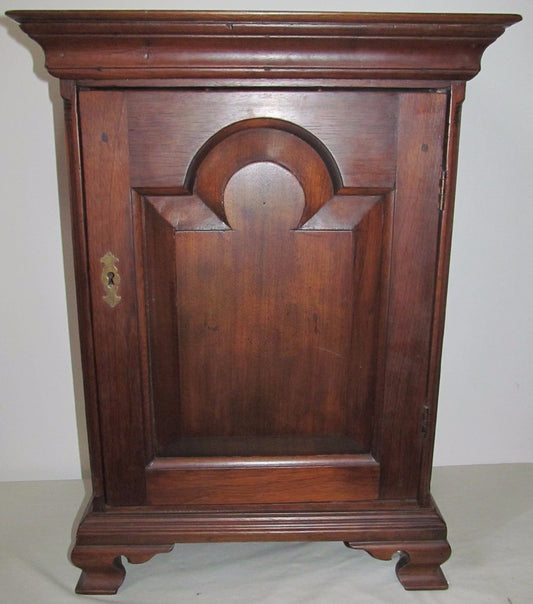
x: 262, y: 275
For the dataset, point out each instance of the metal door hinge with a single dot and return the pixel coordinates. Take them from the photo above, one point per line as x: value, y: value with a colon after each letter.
x: 442, y: 189
x: 425, y: 420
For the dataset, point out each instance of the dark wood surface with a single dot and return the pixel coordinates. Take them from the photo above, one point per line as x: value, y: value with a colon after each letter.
x: 116, y: 332
x: 399, y: 440
x: 270, y: 368
x: 275, y: 291
x: 99, y: 45
x: 263, y: 480
x: 79, y: 243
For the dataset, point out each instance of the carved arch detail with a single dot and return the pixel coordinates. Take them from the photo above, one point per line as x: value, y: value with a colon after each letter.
x: 264, y: 140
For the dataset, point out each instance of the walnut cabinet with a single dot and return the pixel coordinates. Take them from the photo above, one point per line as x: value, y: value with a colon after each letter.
x: 262, y: 209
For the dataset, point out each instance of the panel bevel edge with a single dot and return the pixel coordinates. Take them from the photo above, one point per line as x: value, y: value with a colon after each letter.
x: 139, y: 224
x: 158, y: 438
x: 273, y: 123
x: 377, y: 203
x: 355, y: 216
x: 204, y: 220
x: 386, y: 269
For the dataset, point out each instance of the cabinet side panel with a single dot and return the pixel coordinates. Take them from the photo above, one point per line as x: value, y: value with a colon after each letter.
x: 457, y: 96
x: 79, y: 244
x: 115, y: 329
x: 413, y: 268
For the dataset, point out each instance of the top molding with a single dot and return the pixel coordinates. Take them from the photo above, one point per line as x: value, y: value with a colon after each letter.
x: 183, y: 45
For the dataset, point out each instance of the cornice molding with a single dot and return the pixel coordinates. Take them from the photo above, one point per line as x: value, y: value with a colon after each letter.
x: 115, y: 45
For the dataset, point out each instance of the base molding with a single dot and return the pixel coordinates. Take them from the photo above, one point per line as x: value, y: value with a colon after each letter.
x: 103, y: 537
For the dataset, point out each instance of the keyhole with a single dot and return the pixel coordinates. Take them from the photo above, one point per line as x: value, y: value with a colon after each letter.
x: 110, y: 279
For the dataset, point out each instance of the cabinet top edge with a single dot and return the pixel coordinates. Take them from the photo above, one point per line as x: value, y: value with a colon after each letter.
x: 261, y: 46
x: 294, y: 19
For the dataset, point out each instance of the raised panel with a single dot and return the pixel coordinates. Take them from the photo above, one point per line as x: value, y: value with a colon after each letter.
x: 271, y: 324
x: 277, y: 326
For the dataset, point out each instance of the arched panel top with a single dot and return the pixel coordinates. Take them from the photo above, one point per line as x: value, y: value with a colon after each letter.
x: 264, y: 140
x: 265, y: 200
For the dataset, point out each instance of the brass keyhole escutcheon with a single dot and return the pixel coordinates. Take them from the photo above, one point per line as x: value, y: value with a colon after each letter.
x: 110, y: 279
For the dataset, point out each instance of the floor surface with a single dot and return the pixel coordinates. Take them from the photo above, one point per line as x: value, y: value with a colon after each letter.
x: 488, y: 509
